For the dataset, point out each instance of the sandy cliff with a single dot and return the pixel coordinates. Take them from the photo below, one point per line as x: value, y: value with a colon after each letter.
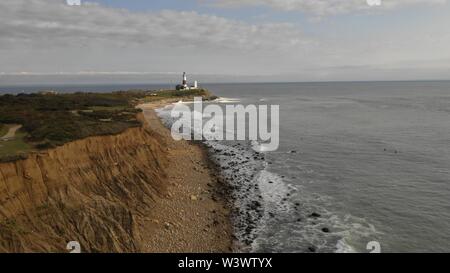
x: 122, y: 193
x: 93, y: 191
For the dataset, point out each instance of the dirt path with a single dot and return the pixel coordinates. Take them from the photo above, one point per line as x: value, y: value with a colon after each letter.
x: 12, y: 132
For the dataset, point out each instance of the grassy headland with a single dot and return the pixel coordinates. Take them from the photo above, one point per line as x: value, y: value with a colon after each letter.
x: 178, y: 94
x: 50, y: 120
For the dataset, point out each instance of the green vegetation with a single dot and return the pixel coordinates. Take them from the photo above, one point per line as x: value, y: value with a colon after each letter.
x: 106, y: 108
x: 179, y: 94
x: 3, y: 130
x: 50, y: 120
x: 14, y: 148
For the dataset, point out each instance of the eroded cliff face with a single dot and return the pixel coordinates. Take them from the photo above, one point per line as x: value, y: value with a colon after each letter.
x: 95, y: 191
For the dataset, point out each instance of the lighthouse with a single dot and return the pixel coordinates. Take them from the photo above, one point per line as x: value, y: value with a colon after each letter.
x: 184, y: 84
x: 184, y: 80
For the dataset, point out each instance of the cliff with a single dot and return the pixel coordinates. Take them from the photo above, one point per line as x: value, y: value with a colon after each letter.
x: 96, y: 191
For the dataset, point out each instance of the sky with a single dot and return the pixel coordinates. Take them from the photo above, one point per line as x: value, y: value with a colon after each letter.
x: 141, y: 41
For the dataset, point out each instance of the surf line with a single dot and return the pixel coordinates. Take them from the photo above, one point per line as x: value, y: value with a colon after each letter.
x: 252, y: 123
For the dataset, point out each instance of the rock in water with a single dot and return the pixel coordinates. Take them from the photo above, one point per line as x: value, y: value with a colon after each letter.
x: 315, y: 215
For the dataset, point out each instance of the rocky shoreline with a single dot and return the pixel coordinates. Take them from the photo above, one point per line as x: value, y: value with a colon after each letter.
x: 236, y: 168
x: 195, y: 214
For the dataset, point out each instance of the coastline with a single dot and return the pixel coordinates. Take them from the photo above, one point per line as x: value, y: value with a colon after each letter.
x: 194, y: 216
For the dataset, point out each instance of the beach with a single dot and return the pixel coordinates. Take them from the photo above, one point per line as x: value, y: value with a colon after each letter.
x: 193, y: 216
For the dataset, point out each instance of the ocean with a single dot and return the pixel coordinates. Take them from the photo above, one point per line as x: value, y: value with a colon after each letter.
x: 72, y: 88
x: 357, y: 163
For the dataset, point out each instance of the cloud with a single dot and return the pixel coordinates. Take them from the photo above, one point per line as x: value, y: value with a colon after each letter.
x: 321, y: 7
x: 52, y: 22
x: 48, y: 37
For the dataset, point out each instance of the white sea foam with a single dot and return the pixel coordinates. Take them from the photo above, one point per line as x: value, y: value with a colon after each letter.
x: 273, y: 189
x: 227, y: 100
x: 261, y: 147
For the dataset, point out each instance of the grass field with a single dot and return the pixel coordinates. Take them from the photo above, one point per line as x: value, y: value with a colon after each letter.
x: 14, y: 147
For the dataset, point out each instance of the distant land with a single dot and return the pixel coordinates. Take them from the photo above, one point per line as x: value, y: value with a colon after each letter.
x: 170, y: 79
x: 111, y: 87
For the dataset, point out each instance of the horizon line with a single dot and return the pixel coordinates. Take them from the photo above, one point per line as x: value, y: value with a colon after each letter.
x: 227, y: 82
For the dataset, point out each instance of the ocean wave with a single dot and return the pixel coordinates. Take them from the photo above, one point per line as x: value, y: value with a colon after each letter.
x: 227, y: 100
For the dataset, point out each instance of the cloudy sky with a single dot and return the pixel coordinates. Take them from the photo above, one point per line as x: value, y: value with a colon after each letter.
x: 223, y: 40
